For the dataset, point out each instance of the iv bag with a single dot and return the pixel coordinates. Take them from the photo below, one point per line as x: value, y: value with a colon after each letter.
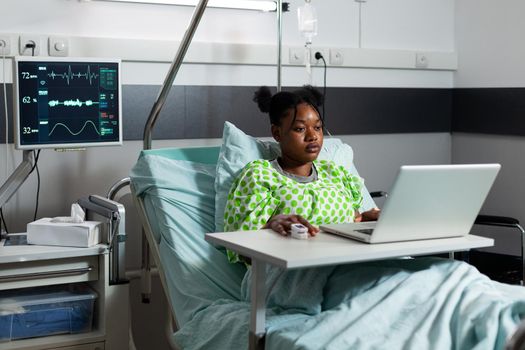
x: 307, y: 18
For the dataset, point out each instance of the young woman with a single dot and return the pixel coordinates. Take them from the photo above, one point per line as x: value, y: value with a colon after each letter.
x: 295, y: 187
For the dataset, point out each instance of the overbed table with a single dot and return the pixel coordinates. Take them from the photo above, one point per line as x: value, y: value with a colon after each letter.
x: 267, y: 247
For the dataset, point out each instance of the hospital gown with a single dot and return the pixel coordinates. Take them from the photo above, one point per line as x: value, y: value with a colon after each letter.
x: 260, y: 192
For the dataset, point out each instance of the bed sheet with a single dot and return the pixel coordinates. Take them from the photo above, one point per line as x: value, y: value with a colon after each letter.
x: 423, y: 303
x: 179, y: 200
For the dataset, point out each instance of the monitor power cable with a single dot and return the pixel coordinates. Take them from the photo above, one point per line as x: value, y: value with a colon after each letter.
x: 6, y: 114
x: 319, y: 56
x: 31, y: 45
x: 36, y: 154
x: 3, y: 221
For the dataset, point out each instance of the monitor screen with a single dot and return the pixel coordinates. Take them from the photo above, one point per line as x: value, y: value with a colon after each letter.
x: 67, y: 102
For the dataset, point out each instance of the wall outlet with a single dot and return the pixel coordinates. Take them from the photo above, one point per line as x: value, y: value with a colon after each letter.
x: 29, y: 40
x: 319, y: 62
x: 337, y: 57
x: 5, y: 45
x: 421, y: 60
x: 296, y: 56
x: 58, y: 46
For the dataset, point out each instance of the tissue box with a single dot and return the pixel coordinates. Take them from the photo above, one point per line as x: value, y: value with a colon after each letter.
x: 45, y: 232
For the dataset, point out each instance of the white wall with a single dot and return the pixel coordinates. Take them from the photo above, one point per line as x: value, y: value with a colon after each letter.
x: 402, y: 32
x: 401, y: 25
x: 489, y: 43
x: 491, y: 54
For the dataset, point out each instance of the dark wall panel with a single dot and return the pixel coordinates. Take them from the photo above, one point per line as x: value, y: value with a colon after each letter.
x: 489, y: 111
x: 191, y: 111
x: 200, y: 111
x: 387, y: 110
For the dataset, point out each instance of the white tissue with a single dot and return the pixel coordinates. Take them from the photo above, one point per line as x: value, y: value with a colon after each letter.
x: 77, y: 215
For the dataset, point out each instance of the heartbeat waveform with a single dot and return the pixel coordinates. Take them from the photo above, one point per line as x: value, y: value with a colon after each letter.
x: 73, y: 133
x: 72, y: 103
x: 69, y: 75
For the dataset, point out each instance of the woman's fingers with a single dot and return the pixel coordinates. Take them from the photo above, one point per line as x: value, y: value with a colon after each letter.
x: 277, y: 226
x: 372, y: 214
x: 282, y: 224
x: 311, y: 229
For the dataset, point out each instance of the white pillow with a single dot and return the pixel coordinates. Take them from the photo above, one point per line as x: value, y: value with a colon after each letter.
x: 238, y: 149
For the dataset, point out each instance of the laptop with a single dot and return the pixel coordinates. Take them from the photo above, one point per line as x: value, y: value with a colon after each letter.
x: 426, y: 202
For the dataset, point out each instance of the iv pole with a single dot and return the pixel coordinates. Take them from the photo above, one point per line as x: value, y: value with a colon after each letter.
x: 174, y: 68
x: 279, y: 41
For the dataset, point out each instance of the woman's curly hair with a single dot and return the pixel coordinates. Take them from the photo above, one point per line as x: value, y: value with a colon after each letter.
x: 279, y: 105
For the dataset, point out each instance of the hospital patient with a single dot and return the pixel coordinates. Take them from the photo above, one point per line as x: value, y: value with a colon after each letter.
x: 295, y: 187
x: 427, y: 302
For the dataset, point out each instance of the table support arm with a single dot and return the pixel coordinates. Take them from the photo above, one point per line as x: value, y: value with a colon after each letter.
x: 258, y: 307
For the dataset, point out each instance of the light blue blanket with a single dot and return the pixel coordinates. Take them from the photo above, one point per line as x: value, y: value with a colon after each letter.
x: 422, y: 303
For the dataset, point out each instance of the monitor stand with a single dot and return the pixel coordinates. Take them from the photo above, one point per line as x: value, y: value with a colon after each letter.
x: 17, y: 178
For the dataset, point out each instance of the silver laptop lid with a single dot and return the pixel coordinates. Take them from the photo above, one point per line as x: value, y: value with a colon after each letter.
x: 431, y: 201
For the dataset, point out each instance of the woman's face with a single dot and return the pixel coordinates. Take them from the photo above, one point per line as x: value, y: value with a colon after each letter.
x: 300, y: 139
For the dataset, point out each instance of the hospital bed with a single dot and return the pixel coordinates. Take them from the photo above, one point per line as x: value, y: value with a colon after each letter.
x: 178, y: 195
x: 175, y: 191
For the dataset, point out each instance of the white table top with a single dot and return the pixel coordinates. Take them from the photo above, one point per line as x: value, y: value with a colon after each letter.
x: 21, y: 253
x: 328, y: 249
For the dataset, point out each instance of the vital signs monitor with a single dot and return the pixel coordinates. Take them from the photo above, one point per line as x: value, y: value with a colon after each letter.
x: 67, y: 102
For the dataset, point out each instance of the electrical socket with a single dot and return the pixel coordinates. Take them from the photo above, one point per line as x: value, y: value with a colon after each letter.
x: 58, y: 46
x: 29, y: 39
x: 421, y: 60
x: 5, y: 45
x: 318, y: 62
x: 296, y: 56
x: 336, y: 57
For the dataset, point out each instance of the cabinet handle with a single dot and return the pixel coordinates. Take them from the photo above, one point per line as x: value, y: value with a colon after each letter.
x: 46, y: 274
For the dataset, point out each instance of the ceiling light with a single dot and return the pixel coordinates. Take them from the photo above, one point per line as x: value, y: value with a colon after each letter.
x: 256, y: 5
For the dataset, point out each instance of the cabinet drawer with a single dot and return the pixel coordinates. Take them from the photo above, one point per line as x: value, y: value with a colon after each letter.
x: 47, y: 272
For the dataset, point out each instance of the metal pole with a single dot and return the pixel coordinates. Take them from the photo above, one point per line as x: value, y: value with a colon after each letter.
x: 174, y: 68
x: 148, y: 128
x: 117, y: 186
x: 279, y: 41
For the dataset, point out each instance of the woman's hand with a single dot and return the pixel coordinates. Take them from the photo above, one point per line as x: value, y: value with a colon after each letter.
x: 282, y: 224
x: 370, y: 215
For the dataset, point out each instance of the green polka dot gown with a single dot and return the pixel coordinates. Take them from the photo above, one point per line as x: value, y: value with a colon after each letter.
x: 260, y: 192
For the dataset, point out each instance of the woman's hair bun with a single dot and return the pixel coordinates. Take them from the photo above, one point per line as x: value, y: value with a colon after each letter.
x: 263, y: 98
x: 312, y: 95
